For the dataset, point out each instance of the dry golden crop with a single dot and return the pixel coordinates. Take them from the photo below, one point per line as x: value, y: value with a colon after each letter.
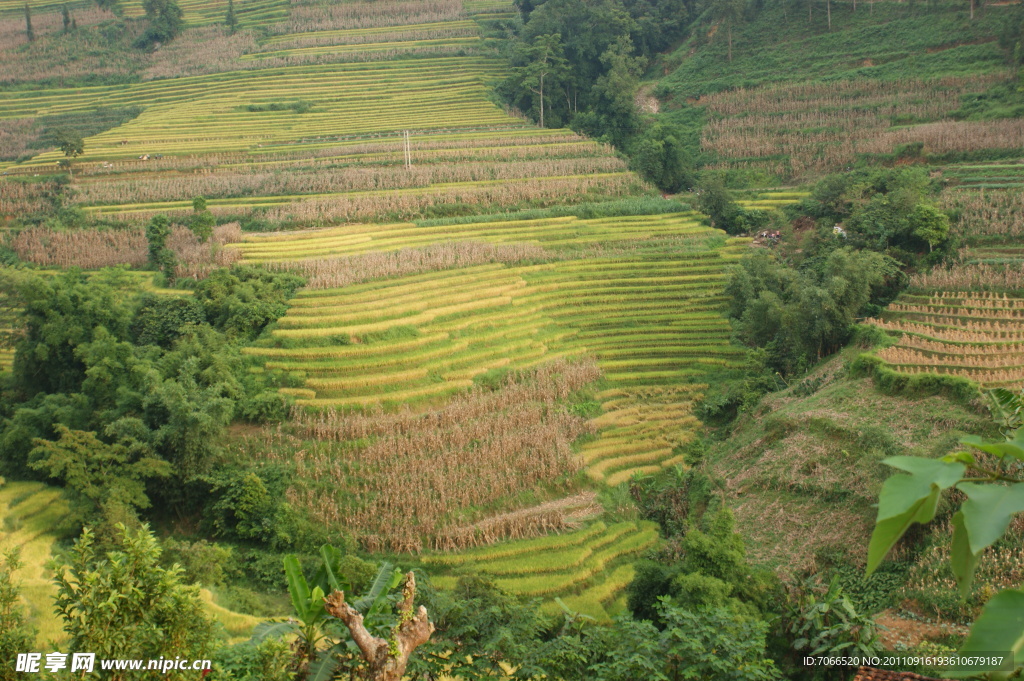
x: 321, y: 273
x: 407, y: 481
x: 820, y: 127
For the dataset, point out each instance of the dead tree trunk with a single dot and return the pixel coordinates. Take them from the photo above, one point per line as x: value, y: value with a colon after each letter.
x: 386, y: 660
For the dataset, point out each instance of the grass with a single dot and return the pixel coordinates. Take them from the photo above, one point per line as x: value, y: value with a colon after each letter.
x: 805, y: 466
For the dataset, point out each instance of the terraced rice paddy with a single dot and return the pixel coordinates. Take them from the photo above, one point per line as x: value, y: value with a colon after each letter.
x: 588, y: 569
x: 977, y: 336
x: 653, y: 322
x: 30, y: 515
x: 283, y: 135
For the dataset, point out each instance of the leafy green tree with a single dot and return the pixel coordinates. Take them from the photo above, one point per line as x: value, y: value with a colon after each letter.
x: 545, y: 67
x: 101, y: 479
x: 65, y: 17
x: 230, y: 20
x: 713, y: 645
x: 160, y: 256
x: 161, y: 320
x: 728, y: 13
x: 989, y: 477
x: 802, y: 315
x: 202, y: 220
x: 714, y: 199
x: 59, y: 314
x: 615, y: 90
x: 929, y: 224
x: 113, y: 6
x: 16, y: 634
x: 166, y: 20
x: 661, y: 158
x: 72, y: 145
x: 122, y: 603
x: 243, y: 300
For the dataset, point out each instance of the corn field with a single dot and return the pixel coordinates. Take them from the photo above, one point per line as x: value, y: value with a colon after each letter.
x: 349, y: 15
x: 974, y: 335
x: 823, y: 127
x: 93, y: 249
x: 324, y: 273
x: 407, y: 481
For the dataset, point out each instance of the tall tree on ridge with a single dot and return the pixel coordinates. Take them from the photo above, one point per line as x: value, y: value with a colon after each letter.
x: 28, y: 23
x: 546, y: 62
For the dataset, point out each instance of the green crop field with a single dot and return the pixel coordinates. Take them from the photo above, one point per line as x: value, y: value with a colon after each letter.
x: 587, y: 569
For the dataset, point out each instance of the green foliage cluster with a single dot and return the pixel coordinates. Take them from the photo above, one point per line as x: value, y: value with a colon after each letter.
x: 155, y: 614
x: 112, y: 388
x: 801, y: 315
x: 988, y: 476
x: 166, y: 20
x: 579, y: 64
x: 300, y: 106
x: 489, y: 632
x: 16, y: 634
x: 791, y: 42
x: 704, y: 565
x: 887, y: 210
x: 715, y: 199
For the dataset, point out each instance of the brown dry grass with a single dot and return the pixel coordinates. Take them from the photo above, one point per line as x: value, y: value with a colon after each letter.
x: 320, y: 17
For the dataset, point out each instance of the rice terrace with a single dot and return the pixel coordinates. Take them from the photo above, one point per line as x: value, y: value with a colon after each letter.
x: 538, y: 339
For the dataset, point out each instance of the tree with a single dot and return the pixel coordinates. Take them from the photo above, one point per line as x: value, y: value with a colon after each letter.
x: 988, y: 477
x: 72, y: 145
x: 29, y: 33
x: 230, y: 20
x: 113, y: 6
x: 157, y: 232
x: 202, y: 220
x: 16, y: 634
x: 929, y: 224
x: 544, y: 61
x: 65, y: 16
x: 104, y: 479
x: 729, y: 13
x: 59, y: 314
x: 166, y: 20
x: 615, y: 90
x: 386, y: 659
x: 122, y: 603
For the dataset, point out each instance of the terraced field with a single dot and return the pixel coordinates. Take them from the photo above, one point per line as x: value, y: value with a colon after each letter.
x: 283, y: 131
x: 588, y: 569
x: 974, y: 335
x: 30, y: 513
x: 652, y: 321
x: 557, y: 232
x: 995, y: 175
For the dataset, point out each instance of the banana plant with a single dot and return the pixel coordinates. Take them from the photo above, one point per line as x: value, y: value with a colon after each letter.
x: 319, y: 643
